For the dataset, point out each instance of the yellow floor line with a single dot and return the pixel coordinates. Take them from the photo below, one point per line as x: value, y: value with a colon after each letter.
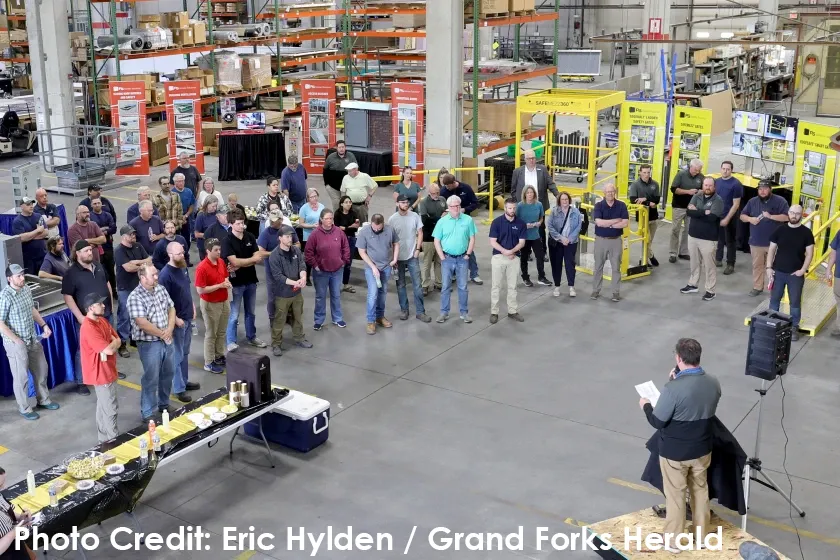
x: 575, y: 522
x: 244, y: 555
x: 3, y: 449
x: 137, y: 387
x: 732, y: 515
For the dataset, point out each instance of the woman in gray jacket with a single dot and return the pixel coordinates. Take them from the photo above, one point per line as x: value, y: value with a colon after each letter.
x: 563, y: 232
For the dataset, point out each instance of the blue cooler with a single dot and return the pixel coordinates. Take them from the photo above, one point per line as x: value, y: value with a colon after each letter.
x: 302, y: 422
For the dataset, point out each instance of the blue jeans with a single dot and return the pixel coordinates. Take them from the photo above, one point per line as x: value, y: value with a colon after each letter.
x: 413, y: 266
x: 375, y: 294
x: 159, y: 365
x: 457, y: 266
x: 794, y: 287
x: 327, y: 281
x: 473, y: 266
x: 123, y: 320
x: 182, y: 341
x: 248, y: 293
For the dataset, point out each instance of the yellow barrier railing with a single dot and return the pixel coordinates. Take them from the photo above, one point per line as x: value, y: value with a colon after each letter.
x: 629, y: 237
x: 821, y: 251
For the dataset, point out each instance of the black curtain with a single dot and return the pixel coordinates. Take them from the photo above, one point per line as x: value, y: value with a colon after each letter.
x: 244, y: 157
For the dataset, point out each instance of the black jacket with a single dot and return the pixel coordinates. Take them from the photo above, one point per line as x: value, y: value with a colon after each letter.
x: 285, y: 265
x: 702, y: 225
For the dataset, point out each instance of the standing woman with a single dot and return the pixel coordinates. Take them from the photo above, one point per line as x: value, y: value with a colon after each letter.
x: 206, y: 218
x: 310, y: 214
x: 347, y: 221
x: 408, y: 187
x: 531, y: 211
x: 563, y: 234
x: 327, y: 251
x: 208, y: 188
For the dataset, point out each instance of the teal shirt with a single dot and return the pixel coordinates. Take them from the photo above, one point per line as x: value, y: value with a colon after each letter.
x: 530, y: 213
x: 411, y: 192
x: 454, y: 234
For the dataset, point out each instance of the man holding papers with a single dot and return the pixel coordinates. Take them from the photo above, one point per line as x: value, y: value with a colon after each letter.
x: 683, y: 416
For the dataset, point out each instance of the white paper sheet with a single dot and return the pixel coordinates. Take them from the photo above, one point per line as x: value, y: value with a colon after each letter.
x: 648, y: 391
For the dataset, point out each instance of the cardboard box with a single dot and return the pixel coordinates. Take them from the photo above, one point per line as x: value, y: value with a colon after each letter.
x: 408, y: 20
x: 151, y: 78
x: 209, y: 131
x: 17, y: 35
x: 176, y: 20
x: 79, y: 39
x: 4, y: 21
x: 256, y: 71
x: 17, y: 7
x: 208, y: 79
x: 158, y: 94
x: 199, y: 29
x: 231, y: 7
x: 492, y: 6
x: 499, y: 116
x: 4, y: 39
x: 183, y: 37
x: 158, y: 144
x: 149, y: 18
x: 520, y: 5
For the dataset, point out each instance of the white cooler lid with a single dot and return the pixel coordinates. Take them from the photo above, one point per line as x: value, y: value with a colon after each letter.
x: 302, y: 406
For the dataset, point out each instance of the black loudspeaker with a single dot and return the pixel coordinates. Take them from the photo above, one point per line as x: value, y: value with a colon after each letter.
x: 768, y: 352
x: 252, y: 368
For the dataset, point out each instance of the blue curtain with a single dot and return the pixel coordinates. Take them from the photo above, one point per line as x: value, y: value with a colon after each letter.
x: 59, y: 349
x: 7, y: 219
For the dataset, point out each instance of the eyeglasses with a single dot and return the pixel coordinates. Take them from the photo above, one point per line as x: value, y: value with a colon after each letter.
x: 454, y: 205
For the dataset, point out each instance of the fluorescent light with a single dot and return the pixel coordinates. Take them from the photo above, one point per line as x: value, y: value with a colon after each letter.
x: 726, y: 34
x: 702, y: 34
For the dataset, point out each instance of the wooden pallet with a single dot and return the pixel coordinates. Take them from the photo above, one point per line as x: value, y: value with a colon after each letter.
x: 523, y: 13
x: 228, y: 89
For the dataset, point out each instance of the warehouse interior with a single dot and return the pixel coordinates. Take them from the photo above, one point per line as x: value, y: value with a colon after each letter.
x: 428, y: 430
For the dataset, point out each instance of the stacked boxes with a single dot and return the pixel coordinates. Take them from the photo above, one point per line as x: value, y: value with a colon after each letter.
x: 145, y: 21
x: 204, y: 76
x: 256, y: 71
x: 499, y: 117
x: 79, y: 46
x: 179, y: 22
x: 150, y: 80
x: 520, y: 5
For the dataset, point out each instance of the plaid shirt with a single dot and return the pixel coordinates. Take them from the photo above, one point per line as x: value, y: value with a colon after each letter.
x: 16, y: 311
x: 170, y: 209
x: 152, y: 306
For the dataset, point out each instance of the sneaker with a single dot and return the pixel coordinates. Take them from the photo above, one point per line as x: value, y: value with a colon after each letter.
x: 543, y: 282
x: 708, y: 296
x: 718, y: 264
x: 304, y: 343
x: 371, y: 328
x: 466, y: 318
x: 442, y: 318
x: 478, y: 280
x: 317, y: 327
x: 404, y: 315
x: 438, y: 287
x: 385, y: 323
x: 689, y: 289
x: 528, y: 283
x: 594, y: 295
x: 685, y: 258
x: 220, y: 361
x: 494, y: 318
x: 572, y: 292
x: 672, y: 259
x: 31, y: 415
x: 257, y: 343
x: 123, y: 351
x: 49, y: 406
x: 277, y: 351
x: 192, y: 386
x: 425, y: 291
x: 516, y: 317
x: 213, y: 368
x: 794, y: 336
x: 556, y: 292
x: 121, y: 375
x: 653, y: 261
x: 754, y: 292
x: 423, y: 317
x: 183, y: 397
x: 232, y: 347
x: 730, y: 268
x: 616, y: 297
x: 340, y: 324
x: 82, y: 389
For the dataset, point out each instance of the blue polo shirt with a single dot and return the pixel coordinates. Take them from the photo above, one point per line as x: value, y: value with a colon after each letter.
x: 728, y: 190
x: 760, y: 234
x: 187, y: 198
x: 508, y: 233
x: 176, y: 281
x: 454, y: 234
x: 835, y: 244
x: 606, y: 212
x: 35, y: 250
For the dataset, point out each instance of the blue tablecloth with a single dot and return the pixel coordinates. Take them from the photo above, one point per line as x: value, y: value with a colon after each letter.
x: 59, y: 349
x: 7, y: 219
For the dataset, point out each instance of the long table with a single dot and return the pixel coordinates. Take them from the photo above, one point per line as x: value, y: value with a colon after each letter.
x: 112, y: 495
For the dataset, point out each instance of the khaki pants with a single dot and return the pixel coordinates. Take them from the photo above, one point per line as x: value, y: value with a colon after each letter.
x: 106, y: 411
x: 837, y: 299
x: 759, y: 265
x: 334, y: 195
x: 215, y: 323
x: 22, y: 359
x: 430, y: 257
x: 607, y: 248
x: 702, y: 252
x: 679, y: 231
x: 652, y: 227
x: 503, y: 270
x: 677, y: 477
x: 287, y: 306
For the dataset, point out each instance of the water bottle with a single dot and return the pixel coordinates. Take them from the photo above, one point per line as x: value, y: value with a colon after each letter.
x: 156, y: 442
x: 144, y: 450
x: 194, y: 329
x: 379, y: 281
x: 53, y: 495
x: 30, y: 483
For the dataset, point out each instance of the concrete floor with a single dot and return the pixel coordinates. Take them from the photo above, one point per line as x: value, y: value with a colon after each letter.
x: 475, y: 427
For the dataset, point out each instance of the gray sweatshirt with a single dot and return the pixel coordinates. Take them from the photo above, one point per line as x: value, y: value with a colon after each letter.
x: 285, y: 265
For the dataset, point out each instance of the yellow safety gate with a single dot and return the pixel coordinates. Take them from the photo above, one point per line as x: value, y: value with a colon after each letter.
x: 629, y: 239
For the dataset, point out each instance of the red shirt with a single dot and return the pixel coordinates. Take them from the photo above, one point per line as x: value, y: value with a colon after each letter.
x: 96, y: 335
x: 209, y: 274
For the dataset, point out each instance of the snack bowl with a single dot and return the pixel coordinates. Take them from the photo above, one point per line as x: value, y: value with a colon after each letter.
x: 209, y: 410
x: 230, y: 409
x: 84, y: 485
x: 115, y: 469
x: 196, y: 418
x: 218, y: 416
x: 84, y: 465
x: 206, y: 423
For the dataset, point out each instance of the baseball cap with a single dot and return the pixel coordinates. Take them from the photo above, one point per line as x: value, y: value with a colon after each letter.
x: 287, y: 230
x: 402, y: 198
x: 14, y: 270
x: 27, y: 200
x: 275, y: 215
x: 94, y: 187
x: 81, y: 244
x: 223, y: 209
x: 127, y: 229
x: 351, y: 166
x: 764, y: 183
x: 92, y: 299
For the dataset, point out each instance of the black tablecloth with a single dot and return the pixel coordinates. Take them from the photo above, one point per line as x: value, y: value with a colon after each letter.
x: 375, y: 163
x: 244, y: 157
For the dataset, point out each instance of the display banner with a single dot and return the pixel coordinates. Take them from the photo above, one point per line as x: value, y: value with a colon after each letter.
x: 128, y: 105
x: 183, y: 118
x: 407, y: 102
x: 692, y: 136
x: 641, y: 141
x: 318, y: 114
x: 815, y: 166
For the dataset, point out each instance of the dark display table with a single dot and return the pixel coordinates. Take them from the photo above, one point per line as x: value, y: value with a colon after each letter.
x: 376, y: 163
x: 244, y: 157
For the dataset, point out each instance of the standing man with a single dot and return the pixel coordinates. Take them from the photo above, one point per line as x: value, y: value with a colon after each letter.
x: 645, y: 191
x: 108, y: 225
x: 143, y: 193
x: 360, y: 188
x: 267, y: 242
x: 288, y: 273
x: 788, y: 259
x: 175, y: 279
x: 167, y: 203
x: 84, y: 277
x: 94, y: 192
x: 539, y: 177
x: 87, y: 230
x: 454, y: 243
x: 379, y: 246
x: 293, y: 180
x: 98, y: 351
x: 240, y: 251
x: 48, y: 211
x: 28, y: 226
x: 129, y: 257
x: 682, y: 417
x: 409, y: 229
x: 764, y: 213
x: 160, y: 256
x: 611, y: 218
x: 705, y: 212
x: 152, y: 315
x: 508, y: 235
x: 431, y: 209
x: 731, y: 191
x: 149, y: 227
x: 189, y: 171
x: 18, y: 316
x: 212, y: 285
x: 686, y: 183
x: 188, y: 204
x: 335, y: 168
x: 469, y: 204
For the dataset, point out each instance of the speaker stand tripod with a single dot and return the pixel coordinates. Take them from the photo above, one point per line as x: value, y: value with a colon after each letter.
x: 753, y: 469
